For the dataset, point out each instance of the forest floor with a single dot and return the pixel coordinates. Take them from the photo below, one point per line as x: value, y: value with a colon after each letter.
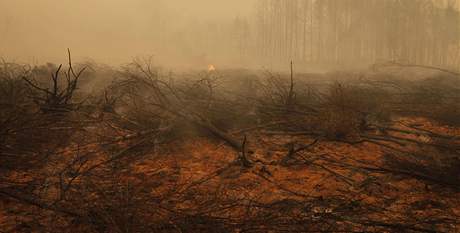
x: 327, y: 171
x: 375, y: 153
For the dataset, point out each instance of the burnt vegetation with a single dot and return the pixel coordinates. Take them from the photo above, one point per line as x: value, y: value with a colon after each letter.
x: 69, y: 158
x: 86, y: 147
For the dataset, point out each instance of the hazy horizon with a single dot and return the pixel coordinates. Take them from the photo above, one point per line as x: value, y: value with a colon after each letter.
x: 107, y: 31
x: 238, y: 33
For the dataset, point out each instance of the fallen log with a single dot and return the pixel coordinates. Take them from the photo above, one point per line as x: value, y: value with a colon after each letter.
x: 397, y: 64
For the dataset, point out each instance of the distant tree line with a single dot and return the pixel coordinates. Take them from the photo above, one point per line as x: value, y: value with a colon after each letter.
x: 358, y: 31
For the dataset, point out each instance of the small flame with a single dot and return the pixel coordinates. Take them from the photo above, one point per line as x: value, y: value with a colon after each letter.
x: 211, y: 68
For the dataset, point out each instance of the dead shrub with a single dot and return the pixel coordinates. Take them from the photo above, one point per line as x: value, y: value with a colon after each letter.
x: 288, y: 100
x: 348, y: 110
x: 436, y: 98
x: 27, y: 136
x: 55, y: 95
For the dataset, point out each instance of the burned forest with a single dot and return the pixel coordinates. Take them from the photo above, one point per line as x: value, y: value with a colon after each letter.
x: 229, y: 116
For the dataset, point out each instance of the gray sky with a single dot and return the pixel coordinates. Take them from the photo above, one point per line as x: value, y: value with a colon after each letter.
x: 109, y: 31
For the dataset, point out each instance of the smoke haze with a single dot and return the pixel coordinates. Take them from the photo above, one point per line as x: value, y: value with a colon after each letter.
x: 108, y: 31
x: 237, y: 33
